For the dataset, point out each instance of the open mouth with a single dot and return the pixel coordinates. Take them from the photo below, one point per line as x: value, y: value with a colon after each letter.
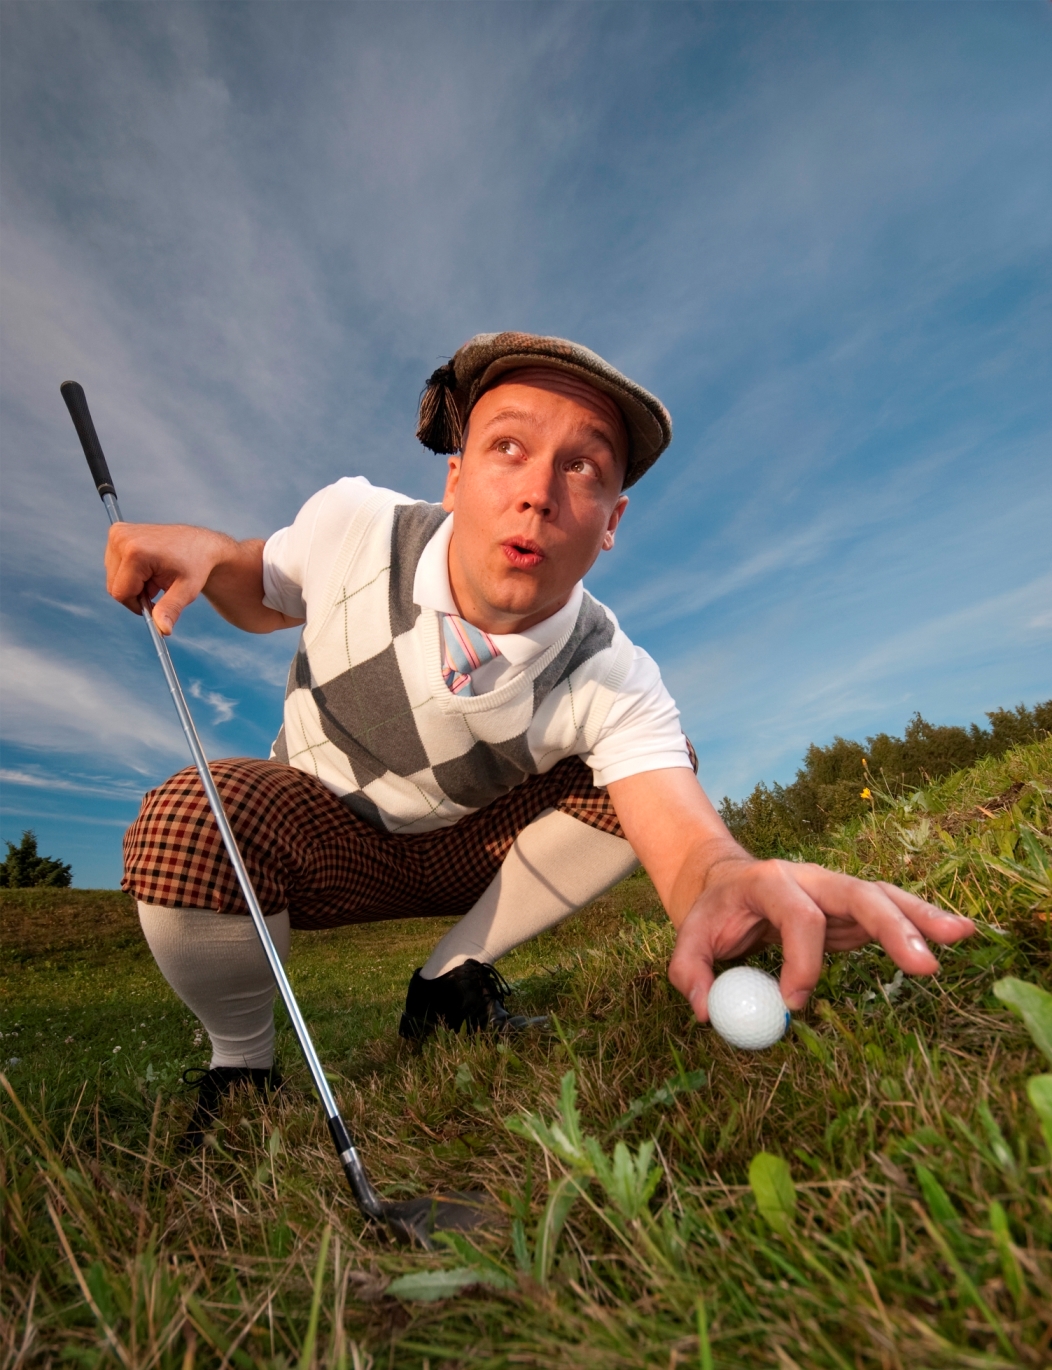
x: 522, y: 552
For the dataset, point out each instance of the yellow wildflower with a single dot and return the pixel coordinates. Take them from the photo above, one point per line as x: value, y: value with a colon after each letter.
x: 865, y: 794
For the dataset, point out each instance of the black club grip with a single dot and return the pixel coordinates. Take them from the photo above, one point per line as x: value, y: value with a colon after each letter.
x: 77, y: 404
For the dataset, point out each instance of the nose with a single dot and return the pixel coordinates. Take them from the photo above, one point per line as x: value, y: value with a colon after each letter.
x: 538, y: 492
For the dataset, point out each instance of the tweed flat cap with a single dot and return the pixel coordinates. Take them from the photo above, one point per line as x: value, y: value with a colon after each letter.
x: 452, y: 390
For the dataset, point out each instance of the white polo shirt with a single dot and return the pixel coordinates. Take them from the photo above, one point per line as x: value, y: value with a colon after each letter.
x: 641, y: 730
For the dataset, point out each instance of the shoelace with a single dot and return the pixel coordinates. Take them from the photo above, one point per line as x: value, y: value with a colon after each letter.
x: 220, y: 1078
x: 202, y: 1072
x: 493, y: 980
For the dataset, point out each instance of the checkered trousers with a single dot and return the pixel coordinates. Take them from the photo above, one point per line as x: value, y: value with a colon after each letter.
x: 308, y: 852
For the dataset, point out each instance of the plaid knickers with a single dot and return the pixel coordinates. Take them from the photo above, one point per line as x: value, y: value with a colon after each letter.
x: 307, y: 852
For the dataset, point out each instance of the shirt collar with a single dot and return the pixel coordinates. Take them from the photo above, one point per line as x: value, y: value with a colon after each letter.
x: 431, y: 591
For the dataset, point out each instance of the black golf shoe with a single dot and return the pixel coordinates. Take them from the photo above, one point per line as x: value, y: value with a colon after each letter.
x: 213, y: 1084
x: 471, y: 993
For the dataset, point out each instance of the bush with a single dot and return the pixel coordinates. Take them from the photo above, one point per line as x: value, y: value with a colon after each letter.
x: 23, y: 869
x: 783, y: 820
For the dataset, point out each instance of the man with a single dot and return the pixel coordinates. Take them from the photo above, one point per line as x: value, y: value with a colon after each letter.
x: 467, y: 731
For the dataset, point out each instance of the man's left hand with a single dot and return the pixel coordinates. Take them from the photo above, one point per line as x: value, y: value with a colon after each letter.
x: 810, y: 910
x: 725, y: 903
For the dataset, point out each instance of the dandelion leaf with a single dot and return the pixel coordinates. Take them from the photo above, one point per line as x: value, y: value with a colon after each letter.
x: 774, y: 1191
x: 1033, y: 1005
x: 428, y: 1286
x: 1039, y: 1092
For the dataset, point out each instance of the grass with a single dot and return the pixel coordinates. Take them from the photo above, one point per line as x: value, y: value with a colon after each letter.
x: 899, y: 1212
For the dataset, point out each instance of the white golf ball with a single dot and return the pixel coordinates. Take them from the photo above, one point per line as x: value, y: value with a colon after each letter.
x: 746, y: 1008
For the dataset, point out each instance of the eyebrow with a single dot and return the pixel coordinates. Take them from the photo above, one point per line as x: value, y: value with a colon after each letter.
x: 524, y: 416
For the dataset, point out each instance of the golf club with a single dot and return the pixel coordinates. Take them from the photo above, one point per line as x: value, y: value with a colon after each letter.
x: 411, y: 1220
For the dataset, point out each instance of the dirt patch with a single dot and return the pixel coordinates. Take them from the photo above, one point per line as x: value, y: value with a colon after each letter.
x: 953, y: 823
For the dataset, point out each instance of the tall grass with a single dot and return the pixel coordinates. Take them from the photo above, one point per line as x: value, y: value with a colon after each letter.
x: 873, y: 1191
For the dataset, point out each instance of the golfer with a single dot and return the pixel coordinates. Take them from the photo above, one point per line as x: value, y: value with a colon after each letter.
x: 467, y: 731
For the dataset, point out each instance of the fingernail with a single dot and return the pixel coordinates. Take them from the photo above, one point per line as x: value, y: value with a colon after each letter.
x: 917, y: 943
x: 796, y: 1001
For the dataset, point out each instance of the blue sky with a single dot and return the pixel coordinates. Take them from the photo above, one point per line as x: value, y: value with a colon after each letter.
x: 821, y: 233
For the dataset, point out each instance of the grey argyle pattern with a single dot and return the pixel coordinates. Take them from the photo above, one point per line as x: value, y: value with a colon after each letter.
x: 368, y: 713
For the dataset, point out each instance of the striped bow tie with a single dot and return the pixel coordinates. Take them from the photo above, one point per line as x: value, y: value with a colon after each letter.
x: 464, y: 649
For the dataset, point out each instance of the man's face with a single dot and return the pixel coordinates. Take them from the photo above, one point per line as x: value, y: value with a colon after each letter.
x: 536, y: 494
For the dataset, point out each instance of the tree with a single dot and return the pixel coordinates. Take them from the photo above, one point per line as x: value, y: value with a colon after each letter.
x: 833, y: 785
x: 23, y: 868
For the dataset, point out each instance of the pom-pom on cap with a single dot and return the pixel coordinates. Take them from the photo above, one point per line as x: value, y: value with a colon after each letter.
x: 452, y: 390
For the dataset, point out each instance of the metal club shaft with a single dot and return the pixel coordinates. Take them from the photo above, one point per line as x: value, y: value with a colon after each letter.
x: 365, y: 1195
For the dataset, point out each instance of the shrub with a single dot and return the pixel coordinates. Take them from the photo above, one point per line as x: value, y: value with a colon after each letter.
x: 23, y: 869
x: 783, y: 820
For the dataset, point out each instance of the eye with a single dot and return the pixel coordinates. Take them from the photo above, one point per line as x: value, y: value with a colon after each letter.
x: 582, y: 466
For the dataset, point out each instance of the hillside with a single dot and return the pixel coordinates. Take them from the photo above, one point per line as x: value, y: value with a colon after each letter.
x: 916, y: 1230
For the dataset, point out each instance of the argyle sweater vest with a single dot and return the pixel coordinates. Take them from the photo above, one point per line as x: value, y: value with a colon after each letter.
x: 368, y: 712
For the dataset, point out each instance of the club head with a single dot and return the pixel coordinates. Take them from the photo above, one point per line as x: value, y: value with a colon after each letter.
x: 518, y: 1022
x: 412, y: 1221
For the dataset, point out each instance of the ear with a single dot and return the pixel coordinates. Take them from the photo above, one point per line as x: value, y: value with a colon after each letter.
x: 452, y: 481
x: 615, y: 519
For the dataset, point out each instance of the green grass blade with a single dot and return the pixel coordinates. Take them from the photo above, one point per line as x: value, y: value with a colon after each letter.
x: 306, y: 1359
x: 704, y: 1346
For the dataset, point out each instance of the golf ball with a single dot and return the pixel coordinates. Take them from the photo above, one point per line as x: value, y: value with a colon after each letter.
x: 746, y: 1008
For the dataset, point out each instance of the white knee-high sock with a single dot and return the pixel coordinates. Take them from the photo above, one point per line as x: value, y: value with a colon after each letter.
x: 215, y: 964
x: 557, y: 865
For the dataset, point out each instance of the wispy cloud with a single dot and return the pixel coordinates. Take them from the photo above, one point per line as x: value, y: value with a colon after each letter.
x: 258, y: 659
x: 59, y: 784
x: 692, y: 587
x: 752, y: 704
x: 222, y: 708
x: 77, y: 610
x: 1001, y: 622
x: 66, y: 817
x: 821, y: 239
x: 56, y: 705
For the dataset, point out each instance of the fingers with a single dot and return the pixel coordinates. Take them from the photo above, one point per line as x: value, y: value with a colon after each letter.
x: 844, y: 934
x: 716, y: 929
x: 899, y: 921
x: 691, y: 972
x: 757, y: 903
x: 123, y: 581
x: 803, y: 927
x: 151, y: 560
x: 779, y: 908
x: 938, y: 925
x: 132, y: 568
x: 811, y: 911
x: 175, y: 599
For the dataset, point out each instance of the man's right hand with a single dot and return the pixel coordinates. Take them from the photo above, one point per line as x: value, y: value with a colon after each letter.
x: 182, y: 562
